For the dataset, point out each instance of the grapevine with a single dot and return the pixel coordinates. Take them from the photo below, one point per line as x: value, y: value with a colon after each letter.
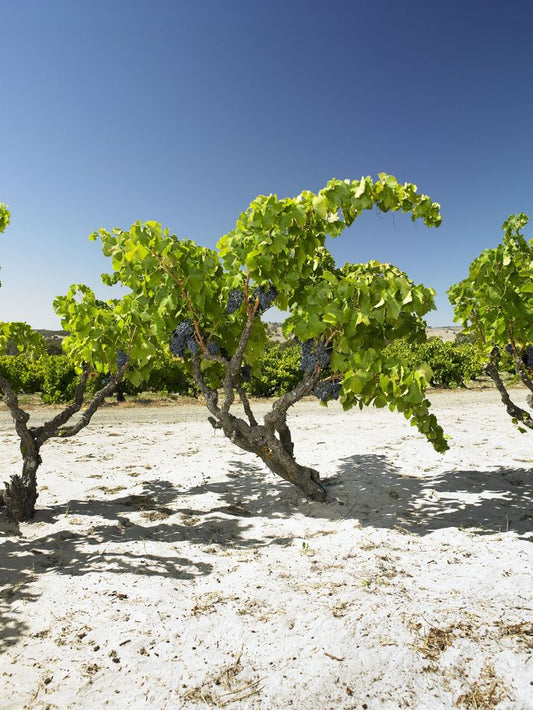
x: 495, y: 304
x: 277, y: 256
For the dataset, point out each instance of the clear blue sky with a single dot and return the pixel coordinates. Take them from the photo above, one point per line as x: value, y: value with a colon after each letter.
x: 183, y: 111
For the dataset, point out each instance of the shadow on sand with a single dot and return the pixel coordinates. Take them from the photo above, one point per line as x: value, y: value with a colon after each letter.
x: 483, y: 502
x: 367, y: 488
x: 370, y: 489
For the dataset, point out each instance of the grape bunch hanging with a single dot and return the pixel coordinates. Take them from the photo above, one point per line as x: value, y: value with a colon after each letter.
x: 330, y: 389
x: 122, y: 359
x: 266, y: 297
x: 315, y: 353
x: 526, y: 355
x: 235, y: 299
x: 183, y: 339
x: 246, y: 373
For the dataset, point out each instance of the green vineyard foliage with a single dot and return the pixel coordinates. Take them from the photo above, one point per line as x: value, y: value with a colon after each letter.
x: 277, y: 372
x: 55, y: 378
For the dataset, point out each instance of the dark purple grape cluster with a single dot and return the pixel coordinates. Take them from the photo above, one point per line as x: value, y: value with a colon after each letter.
x: 266, y: 297
x: 330, y: 389
x: 235, y: 299
x: 122, y: 359
x: 246, y: 373
x: 212, y: 347
x: 192, y: 345
x: 527, y: 356
x: 315, y: 353
x: 182, y: 339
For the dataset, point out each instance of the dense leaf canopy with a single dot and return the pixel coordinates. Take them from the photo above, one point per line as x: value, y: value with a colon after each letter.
x: 278, y: 247
x: 495, y: 304
x: 102, y: 333
x: 20, y: 339
x: 495, y: 300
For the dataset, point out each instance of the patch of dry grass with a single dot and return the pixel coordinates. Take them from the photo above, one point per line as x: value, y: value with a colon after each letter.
x: 522, y: 632
x: 223, y: 687
x: 484, y: 694
x: 436, y: 640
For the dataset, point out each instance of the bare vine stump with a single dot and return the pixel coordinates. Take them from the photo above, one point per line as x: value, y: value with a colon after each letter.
x: 20, y: 497
x: 20, y: 494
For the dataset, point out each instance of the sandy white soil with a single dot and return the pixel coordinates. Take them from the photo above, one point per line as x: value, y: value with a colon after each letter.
x: 168, y: 569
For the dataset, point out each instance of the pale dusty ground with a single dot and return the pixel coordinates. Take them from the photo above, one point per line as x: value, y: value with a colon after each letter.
x: 168, y: 569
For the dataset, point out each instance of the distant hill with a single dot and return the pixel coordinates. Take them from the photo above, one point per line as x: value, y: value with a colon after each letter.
x: 53, y: 339
x: 52, y: 333
x: 446, y: 333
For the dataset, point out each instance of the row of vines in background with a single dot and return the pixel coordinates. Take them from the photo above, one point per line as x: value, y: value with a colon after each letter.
x: 453, y: 365
x: 55, y: 379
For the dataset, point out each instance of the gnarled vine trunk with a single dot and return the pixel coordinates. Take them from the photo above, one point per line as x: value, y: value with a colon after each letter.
x: 305, y: 478
x: 274, y: 447
x: 514, y: 411
x: 270, y: 441
x: 20, y: 494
